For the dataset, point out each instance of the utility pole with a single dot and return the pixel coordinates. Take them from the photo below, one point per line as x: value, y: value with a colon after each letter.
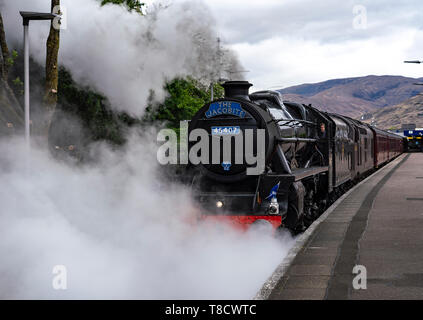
x: 211, y: 91
x: 218, y: 74
x: 219, y: 59
x: 219, y: 62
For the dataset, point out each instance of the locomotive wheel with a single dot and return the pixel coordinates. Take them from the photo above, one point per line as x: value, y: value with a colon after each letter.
x: 292, y: 222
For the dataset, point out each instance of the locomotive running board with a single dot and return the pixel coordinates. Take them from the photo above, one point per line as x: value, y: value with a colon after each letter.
x: 302, y: 173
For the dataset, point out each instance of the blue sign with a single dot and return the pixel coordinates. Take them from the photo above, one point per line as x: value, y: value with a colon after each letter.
x: 223, y: 131
x: 226, y: 166
x: 413, y: 133
x: 225, y: 107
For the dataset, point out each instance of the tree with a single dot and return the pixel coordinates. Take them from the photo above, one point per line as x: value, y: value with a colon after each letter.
x: 91, y: 109
x: 6, y: 62
x: 185, y: 97
x: 11, y: 114
x: 52, y: 77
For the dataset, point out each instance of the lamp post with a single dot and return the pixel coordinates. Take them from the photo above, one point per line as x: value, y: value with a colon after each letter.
x: 26, y: 17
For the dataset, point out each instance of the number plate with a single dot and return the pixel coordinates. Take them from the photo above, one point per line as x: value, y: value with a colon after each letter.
x: 221, y: 131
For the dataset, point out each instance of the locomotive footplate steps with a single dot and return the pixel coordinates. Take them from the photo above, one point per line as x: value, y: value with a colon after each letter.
x: 374, y: 226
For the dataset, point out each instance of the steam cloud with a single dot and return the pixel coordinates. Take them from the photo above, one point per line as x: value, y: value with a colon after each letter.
x: 124, y: 55
x: 120, y: 232
x: 118, y: 228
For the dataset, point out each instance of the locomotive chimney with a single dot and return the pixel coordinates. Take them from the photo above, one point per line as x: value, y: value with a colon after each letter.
x: 237, y: 89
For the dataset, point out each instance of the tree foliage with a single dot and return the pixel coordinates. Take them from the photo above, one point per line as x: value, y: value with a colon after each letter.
x: 11, y: 113
x: 185, y: 97
x: 100, y: 122
x: 131, y: 5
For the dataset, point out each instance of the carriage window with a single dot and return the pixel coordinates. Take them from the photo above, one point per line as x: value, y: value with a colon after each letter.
x: 365, y: 152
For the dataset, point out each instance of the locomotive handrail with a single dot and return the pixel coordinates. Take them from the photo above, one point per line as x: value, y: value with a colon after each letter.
x: 301, y: 173
x: 295, y: 120
x: 290, y: 140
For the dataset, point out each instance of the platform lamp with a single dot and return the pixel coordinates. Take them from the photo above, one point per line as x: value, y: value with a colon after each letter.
x: 26, y: 17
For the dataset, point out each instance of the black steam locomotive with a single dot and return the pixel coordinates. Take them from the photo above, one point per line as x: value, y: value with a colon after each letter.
x: 309, y: 158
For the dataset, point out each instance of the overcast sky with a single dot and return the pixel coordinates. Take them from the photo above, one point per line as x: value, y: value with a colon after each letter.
x: 288, y: 42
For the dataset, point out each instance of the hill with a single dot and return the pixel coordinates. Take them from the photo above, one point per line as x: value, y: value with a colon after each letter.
x: 409, y: 111
x: 355, y: 96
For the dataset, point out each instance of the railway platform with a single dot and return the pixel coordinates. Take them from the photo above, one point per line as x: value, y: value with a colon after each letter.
x: 378, y: 225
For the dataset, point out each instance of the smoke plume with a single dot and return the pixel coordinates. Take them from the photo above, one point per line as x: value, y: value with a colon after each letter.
x: 124, y: 55
x: 119, y: 230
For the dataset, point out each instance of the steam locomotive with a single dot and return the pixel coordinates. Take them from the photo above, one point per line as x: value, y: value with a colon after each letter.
x: 310, y: 158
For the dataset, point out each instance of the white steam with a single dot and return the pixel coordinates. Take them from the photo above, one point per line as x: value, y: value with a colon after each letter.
x: 120, y: 232
x: 122, y: 54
